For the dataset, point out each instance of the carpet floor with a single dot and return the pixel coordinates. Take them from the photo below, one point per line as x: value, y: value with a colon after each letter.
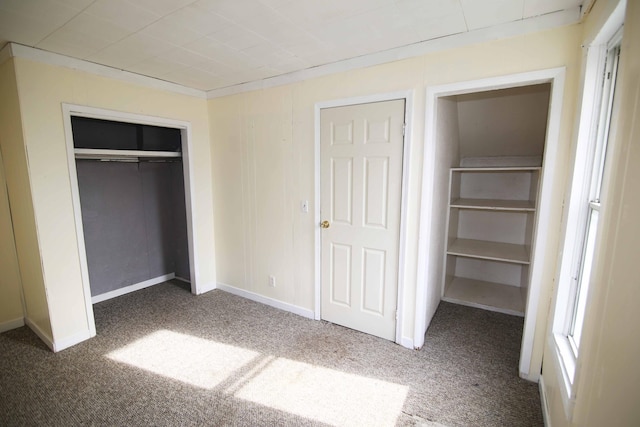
x: 165, y: 357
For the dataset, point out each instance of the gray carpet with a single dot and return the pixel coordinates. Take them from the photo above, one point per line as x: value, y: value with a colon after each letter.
x: 165, y: 357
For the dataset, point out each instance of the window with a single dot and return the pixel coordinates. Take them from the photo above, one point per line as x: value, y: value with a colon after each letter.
x: 592, y: 204
x: 584, y: 209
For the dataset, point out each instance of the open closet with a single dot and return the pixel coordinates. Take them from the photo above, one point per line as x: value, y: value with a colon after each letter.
x: 132, y: 198
x: 493, y: 144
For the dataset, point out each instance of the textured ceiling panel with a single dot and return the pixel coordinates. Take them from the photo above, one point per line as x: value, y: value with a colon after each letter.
x: 211, y: 44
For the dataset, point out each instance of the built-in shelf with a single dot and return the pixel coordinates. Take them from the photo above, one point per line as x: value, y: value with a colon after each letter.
x: 498, y: 169
x: 493, y: 204
x: 90, y: 153
x: 489, y: 206
x: 494, y: 251
x: 486, y: 295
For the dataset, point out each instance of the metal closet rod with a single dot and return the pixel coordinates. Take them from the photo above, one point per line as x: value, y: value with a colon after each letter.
x: 126, y: 155
x: 131, y: 160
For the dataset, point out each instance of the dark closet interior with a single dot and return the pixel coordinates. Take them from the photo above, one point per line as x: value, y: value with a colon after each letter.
x: 132, y: 197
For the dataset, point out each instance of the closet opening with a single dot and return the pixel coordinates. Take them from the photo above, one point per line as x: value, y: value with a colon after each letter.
x: 490, y: 153
x: 495, y: 145
x: 131, y: 190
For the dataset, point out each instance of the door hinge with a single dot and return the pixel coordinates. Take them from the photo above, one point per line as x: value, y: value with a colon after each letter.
x: 396, y: 314
x: 404, y: 128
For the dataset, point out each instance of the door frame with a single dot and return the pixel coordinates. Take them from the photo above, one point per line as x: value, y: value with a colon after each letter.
x: 530, y: 364
x: 407, y: 96
x: 72, y: 110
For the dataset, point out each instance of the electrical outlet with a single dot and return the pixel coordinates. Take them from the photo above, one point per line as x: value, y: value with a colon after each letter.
x: 272, y: 281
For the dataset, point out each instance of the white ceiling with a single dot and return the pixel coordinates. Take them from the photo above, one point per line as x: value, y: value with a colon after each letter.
x: 211, y: 44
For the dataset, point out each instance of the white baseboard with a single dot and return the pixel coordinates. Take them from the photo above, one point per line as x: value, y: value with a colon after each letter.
x: 11, y: 324
x: 131, y: 288
x: 59, y: 345
x: 300, y: 311
x: 182, y: 279
x: 40, y: 333
x: 533, y: 377
x: 544, y: 403
x: 204, y: 288
x: 406, y: 342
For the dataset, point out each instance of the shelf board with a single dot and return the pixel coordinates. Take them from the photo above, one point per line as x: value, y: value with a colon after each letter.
x: 494, y: 204
x: 91, y: 153
x: 494, y: 251
x: 498, y: 169
x: 486, y: 295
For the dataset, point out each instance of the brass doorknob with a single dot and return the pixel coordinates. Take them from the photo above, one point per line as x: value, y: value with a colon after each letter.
x: 325, y: 224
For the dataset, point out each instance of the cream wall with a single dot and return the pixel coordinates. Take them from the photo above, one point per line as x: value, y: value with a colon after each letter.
x: 11, y: 313
x: 447, y: 155
x: 504, y: 123
x: 14, y: 158
x: 608, y: 374
x: 263, y: 161
x: 42, y: 89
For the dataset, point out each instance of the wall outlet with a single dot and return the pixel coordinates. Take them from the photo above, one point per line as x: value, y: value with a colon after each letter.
x: 272, y: 281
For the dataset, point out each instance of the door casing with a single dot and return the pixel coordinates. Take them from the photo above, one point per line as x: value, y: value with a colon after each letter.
x: 72, y: 110
x: 530, y: 360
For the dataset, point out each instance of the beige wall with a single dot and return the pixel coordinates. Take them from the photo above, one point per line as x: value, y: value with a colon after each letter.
x: 42, y: 89
x: 11, y: 313
x: 14, y: 157
x: 447, y: 155
x: 510, y: 122
x: 263, y: 161
x: 608, y: 374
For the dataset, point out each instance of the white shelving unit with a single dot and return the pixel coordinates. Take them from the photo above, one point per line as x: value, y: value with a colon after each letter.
x: 490, y: 225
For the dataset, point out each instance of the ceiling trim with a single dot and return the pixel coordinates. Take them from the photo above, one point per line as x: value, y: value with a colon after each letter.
x: 511, y: 29
x: 16, y: 50
x: 586, y: 7
x: 5, y: 53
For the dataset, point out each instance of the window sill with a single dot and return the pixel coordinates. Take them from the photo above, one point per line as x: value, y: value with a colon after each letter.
x: 566, y: 367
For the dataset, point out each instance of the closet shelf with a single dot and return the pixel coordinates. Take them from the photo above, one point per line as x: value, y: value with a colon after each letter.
x: 494, y: 204
x: 506, y: 252
x: 486, y: 295
x: 90, y: 153
x: 498, y: 169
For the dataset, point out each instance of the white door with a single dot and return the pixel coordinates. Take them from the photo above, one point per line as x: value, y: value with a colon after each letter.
x: 361, y: 182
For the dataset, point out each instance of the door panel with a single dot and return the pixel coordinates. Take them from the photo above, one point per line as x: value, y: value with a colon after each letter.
x: 376, y: 184
x: 374, y: 280
x: 341, y: 274
x: 342, y: 190
x: 361, y: 182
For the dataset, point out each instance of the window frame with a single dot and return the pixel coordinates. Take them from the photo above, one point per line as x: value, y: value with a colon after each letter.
x: 591, y: 202
x: 586, y: 186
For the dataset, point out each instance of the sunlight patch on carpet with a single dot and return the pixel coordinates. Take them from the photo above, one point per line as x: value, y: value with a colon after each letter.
x: 185, y: 358
x: 325, y: 395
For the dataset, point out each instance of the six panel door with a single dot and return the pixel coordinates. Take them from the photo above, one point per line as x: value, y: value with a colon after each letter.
x: 361, y: 183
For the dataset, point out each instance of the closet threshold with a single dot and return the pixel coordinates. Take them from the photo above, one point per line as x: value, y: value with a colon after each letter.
x: 123, y: 155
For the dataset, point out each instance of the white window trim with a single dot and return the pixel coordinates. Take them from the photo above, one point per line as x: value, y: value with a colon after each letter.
x: 566, y: 360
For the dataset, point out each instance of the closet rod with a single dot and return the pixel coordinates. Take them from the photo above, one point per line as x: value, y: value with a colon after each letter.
x: 130, y: 160
x: 124, y: 155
